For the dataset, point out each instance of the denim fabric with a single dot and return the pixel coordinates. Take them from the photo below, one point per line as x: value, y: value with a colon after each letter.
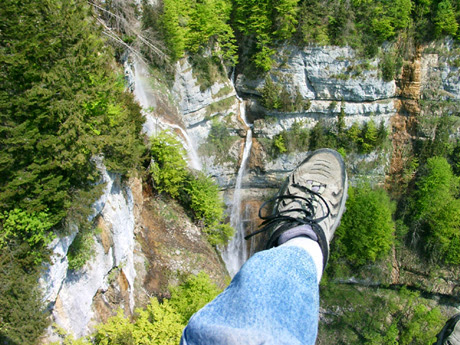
x: 273, y: 300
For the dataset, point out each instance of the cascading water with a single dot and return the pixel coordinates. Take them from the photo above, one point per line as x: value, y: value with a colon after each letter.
x: 145, y: 95
x: 236, y: 252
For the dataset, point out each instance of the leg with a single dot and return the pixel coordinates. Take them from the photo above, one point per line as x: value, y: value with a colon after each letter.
x: 273, y: 299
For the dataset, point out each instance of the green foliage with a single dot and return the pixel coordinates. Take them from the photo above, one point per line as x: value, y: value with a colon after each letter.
x: 168, y: 166
x: 278, y: 143
x: 81, y: 250
x: 277, y: 97
x: 198, y: 193
x: 366, y: 230
x: 59, y: 106
x: 361, y: 139
x: 22, y: 313
x: 271, y: 94
x: 390, y: 65
x: 436, y: 211
x: 196, y: 25
x: 322, y: 136
x: 208, y: 70
x: 445, y: 21
x: 158, y: 323
x: 202, y: 195
x: 18, y: 226
x: 193, y: 295
x: 379, y: 316
x: 219, y: 141
x: 296, y: 139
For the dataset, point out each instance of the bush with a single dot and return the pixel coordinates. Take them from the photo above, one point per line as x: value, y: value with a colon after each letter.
x: 198, y: 193
x: 202, y: 197
x: 367, y: 227
x: 158, y: 323
x: 192, y: 295
x: 219, y: 141
x: 81, y: 250
x: 436, y: 211
x: 33, y: 228
x: 168, y: 167
x: 390, y: 64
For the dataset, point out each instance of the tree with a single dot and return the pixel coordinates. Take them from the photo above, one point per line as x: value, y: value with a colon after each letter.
x: 60, y: 105
x: 285, y: 18
x: 366, y: 230
x: 22, y: 313
x: 168, y: 166
x: 436, y: 211
x: 370, y: 136
x: 174, y: 20
x: 445, y: 21
x: 192, y: 295
x: 193, y: 25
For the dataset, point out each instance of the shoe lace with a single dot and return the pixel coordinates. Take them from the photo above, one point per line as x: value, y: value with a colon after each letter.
x: 282, y: 218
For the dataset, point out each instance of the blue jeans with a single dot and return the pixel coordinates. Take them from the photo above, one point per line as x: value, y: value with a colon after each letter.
x: 272, y: 300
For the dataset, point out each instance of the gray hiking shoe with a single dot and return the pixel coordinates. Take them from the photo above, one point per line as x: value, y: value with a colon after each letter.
x: 310, y: 202
x: 450, y: 334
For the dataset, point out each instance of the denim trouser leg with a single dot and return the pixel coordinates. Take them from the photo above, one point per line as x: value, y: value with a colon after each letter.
x: 273, y: 300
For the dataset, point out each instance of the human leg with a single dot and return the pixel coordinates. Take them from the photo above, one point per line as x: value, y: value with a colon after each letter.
x: 274, y: 298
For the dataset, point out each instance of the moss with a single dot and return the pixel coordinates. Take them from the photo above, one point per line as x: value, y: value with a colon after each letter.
x: 219, y: 106
x: 223, y: 91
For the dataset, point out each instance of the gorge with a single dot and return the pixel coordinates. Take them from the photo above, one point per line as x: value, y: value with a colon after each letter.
x: 246, y: 112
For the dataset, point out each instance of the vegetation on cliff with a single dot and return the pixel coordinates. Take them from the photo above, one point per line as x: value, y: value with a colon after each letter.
x: 63, y: 109
x: 61, y: 105
x: 160, y: 323
x: 196, y: 191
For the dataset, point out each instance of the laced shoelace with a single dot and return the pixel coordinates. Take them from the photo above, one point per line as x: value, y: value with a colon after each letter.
x: 284, y: 219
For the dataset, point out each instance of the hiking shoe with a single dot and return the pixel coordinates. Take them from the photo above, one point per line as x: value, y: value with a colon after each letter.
x: 310, y: 203
x: 450, y: 334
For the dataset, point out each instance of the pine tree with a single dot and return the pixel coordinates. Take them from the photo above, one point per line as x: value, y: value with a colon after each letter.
x: 60, y: 106
x: 445, y: 21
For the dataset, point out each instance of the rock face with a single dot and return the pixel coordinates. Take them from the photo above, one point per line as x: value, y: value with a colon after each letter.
x: 145, y: 240
x: 138, y: 253
x: 326, y: 73
x: 70, y: 294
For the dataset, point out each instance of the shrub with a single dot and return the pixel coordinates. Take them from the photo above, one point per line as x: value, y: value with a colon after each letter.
x: 278, y: 143
x: 390, y: 64
x: 81, y: 250
x: 436, y: 211
x: 160, y: 323
x: 367, y: 227
x: 20, y: 226
x: 202, y: 197
x: 192, y: 295
x: 219, y: 141
x: 168, y: 166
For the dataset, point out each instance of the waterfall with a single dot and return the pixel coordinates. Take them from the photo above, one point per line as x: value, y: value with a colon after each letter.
x: 236, y: 252
x: 146, y: 97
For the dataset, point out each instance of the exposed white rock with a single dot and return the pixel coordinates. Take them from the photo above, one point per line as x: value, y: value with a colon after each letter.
x: 187, y: 91
x: 70, y: 294
x: 325, y: 73
x: 56, y: 271
x: 440, y: 72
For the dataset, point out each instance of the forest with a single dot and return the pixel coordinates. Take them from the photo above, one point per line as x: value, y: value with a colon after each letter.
x: 65, y: 111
